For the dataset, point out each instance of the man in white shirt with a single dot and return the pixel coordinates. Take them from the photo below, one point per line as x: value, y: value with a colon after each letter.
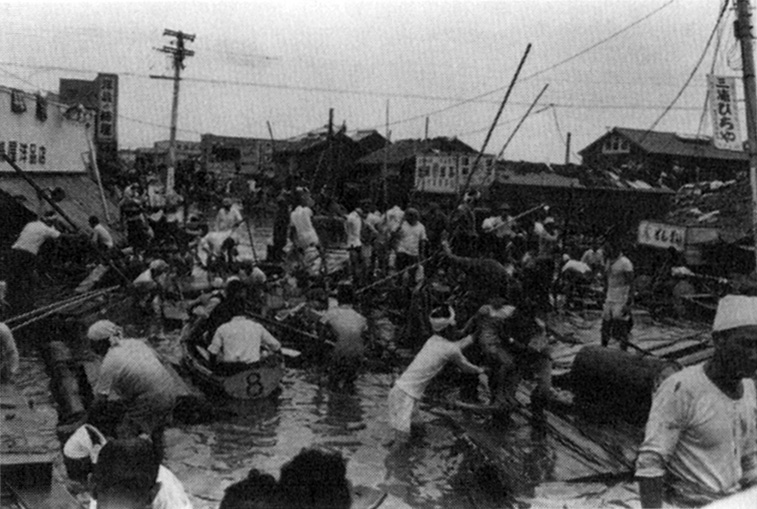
x: 303, y: 235
x: 616, y: 313
x: 437, y: 352
x: 353, y: 226
x: 101, y: 237
x: 242, y: 340
x: 574, y: 280
x: 411, y: 240
x: 132, y: 373
x: 22, y: 261
x: 228, y: 216
x: 700, y: 442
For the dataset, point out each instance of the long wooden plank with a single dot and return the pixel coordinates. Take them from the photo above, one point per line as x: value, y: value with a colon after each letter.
x: 54, y: 496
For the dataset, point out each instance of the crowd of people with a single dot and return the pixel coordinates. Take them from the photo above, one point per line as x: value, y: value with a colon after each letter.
x: 472, y: 291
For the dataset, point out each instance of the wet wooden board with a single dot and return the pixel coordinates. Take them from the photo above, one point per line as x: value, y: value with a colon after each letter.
x: 53, y: 497
x: 365, y: 497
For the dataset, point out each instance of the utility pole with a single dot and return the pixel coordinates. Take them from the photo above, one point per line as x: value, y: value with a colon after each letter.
x: 385, y: 165
x: 179, y: 53
x: 425, y: 135
x: 567, y: 150
x: 743, y: 29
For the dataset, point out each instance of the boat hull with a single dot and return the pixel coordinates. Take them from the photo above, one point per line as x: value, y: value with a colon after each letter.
x: 249, y: 382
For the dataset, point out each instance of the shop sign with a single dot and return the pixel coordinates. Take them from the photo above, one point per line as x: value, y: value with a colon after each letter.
x: 662, y: 235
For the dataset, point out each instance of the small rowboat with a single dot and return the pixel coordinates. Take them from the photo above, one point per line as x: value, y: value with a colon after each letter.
x: 243, y: 381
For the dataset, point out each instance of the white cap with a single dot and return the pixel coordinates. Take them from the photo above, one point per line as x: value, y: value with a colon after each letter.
x: 735, y: 311
x: 103, y: 329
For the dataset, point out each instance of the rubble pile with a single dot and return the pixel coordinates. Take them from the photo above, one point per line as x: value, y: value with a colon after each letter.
x: 724, y: 205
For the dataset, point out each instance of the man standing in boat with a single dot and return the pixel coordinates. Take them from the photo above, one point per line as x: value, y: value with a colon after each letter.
x: 701, y: 439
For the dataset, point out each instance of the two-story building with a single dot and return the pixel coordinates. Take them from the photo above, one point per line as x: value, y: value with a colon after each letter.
x: 663, y: 157
x: 50, y: 143
x: 439, y: 167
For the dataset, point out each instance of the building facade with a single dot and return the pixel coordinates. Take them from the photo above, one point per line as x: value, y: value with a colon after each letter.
x: 665, y: 158
x: 101, y: 97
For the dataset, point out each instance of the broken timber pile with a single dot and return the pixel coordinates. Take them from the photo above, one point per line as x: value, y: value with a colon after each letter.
x: 564, y: 443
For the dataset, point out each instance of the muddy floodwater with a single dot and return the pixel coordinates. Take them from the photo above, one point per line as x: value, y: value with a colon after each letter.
x: 440, y: 469
x: 264, y: 435
x: 434, y: 472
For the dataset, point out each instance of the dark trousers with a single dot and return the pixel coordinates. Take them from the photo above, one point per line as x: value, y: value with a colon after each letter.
x: 22, y: 273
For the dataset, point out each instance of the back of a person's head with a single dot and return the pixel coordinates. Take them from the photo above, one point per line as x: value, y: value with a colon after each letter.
x: 345, y: 293
x: 126, y: 474
x: 94, y: 220
x: 235, y: 289
x: 315, y: 479
x: 256, y: 491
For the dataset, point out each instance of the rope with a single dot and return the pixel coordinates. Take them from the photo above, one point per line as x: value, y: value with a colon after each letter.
x: 60, y: 307
x: 83, y: 296
x: 396, y: 274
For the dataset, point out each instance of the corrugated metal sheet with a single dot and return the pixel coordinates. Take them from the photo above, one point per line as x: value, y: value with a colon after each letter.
x: 82, y: 197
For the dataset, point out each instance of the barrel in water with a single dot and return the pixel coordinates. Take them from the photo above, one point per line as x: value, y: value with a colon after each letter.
x: 609, y: 383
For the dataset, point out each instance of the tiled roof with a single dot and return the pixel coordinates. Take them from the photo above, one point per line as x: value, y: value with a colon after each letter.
x: 402, y: 150
x: 666, y: 143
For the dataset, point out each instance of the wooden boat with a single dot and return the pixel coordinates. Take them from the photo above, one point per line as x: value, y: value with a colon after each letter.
x: 250, y: 381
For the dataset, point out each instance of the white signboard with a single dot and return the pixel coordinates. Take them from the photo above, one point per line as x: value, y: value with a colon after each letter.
x: 55, y: 144
x: 725, y: 114
x: 662, y: 235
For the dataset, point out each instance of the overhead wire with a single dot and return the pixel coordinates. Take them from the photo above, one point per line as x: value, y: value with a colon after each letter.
x: 538, y: 73
x: 691, y: 75
x: 715, y: 55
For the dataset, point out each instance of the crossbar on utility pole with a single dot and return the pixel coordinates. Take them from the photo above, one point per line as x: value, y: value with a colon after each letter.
x: 179, y: 53
x: 743, y: 29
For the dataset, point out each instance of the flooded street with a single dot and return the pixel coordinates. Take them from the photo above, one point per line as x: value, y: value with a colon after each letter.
x: 264, y: 435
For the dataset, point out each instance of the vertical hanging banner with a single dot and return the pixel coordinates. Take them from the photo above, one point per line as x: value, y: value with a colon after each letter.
x: 725, y: 114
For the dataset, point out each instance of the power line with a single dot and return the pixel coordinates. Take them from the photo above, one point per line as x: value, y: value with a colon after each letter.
x: 346, y: 91
x: 693, y: 72
x: 564, y: 61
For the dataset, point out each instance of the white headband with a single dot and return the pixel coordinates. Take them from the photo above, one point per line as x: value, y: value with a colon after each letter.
x: 439, y: 324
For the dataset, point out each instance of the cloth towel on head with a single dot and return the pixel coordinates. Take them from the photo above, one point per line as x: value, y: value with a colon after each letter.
x: 439, y: 324
x: 735, y: 311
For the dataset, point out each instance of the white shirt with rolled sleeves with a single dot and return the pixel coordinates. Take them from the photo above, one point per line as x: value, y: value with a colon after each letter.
x: 33, y: 236
x: 240, y: 340
x: 701, y: 436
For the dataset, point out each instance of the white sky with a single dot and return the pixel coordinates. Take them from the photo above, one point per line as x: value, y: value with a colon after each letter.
x: 293, y: 60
